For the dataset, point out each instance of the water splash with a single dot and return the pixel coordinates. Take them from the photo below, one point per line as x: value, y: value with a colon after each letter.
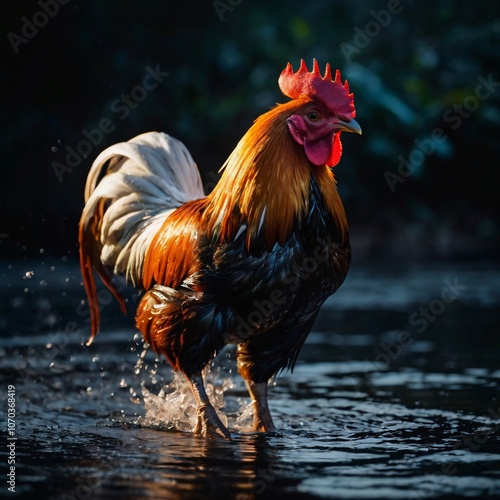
x: 174, y: 407
x: 140, y: 361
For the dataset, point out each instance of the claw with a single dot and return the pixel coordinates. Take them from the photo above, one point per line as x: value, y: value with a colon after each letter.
x: 209, y: 423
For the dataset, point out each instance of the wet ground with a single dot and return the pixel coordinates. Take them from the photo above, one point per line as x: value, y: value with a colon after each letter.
x: 395, y: 396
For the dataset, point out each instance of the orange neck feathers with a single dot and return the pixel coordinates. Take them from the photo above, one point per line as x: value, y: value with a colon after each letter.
x: 265, y: 186
x: 266, y: 182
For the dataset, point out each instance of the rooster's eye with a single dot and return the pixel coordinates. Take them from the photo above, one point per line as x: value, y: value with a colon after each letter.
x: 313, y: 116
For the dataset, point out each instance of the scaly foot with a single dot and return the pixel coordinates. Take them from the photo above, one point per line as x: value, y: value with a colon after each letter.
x: 209, y: 423
x: 262, y: 420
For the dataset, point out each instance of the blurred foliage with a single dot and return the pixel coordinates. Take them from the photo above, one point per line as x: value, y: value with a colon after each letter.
x: 409, y: 71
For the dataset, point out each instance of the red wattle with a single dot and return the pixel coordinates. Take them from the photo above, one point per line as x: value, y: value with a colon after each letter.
x: 318, y: 151
x: 336, y: 151
x: 326, y: 150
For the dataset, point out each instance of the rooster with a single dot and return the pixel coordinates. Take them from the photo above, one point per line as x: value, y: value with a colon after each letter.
x: 251, y: 263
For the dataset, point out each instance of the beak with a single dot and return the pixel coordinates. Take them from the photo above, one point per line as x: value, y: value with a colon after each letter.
x: 350, y: 126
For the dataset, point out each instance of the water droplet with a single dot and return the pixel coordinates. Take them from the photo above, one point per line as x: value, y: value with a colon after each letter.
x: 123, y: 383
x: 89, y: 389
x: 53, y: 149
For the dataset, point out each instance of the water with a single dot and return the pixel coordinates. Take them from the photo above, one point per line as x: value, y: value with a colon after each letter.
x: 395, y: 396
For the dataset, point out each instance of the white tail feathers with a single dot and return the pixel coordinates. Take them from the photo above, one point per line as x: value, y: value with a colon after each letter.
x: 131, y: 188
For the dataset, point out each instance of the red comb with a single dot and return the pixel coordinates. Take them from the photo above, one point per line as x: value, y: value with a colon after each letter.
x: 331, y: 93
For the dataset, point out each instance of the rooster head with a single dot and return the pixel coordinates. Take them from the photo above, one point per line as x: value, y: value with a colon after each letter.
x: 330, y: 110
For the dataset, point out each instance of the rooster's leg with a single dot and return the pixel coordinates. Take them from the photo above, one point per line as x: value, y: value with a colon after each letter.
x: 262, y: 420
x: 209, y: 422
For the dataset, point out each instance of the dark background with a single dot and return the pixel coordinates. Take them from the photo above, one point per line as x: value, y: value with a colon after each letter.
x: 223, y: 63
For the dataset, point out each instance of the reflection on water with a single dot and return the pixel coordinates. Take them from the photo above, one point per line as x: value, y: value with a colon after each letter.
x: 368, y: 413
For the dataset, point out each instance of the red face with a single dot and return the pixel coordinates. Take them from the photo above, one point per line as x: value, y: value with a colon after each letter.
x: 318, y: 130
